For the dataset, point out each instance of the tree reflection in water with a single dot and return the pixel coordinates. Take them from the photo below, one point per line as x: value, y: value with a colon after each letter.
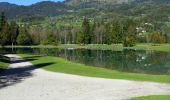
x: 136, y: 61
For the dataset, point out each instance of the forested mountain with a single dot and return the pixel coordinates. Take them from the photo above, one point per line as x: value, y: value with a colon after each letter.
x: 88, y: 21
x: 48, y: 8
x: 45, y: 8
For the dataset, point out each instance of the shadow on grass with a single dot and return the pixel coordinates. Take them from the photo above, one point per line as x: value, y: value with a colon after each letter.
x: 13, y: 76
x: 4, y: 59
x: 32, y: 57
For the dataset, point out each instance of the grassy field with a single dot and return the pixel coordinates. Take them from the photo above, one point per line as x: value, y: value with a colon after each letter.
x: 116, y: 47
x: 153, y: 97
x: 61, y: 65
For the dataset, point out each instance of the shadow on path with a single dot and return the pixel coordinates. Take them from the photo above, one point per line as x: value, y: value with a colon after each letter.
x: 12, y: 76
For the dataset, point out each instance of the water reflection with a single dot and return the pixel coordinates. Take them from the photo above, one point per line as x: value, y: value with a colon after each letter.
x: 150, y: 62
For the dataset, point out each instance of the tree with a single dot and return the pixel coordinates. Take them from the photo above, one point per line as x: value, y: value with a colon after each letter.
x: 130, y: 39
x: 14, y: 32
x: 157, y: 37
x: 69, y: 37
x: 80, y: 37
x: 5, y: 34
x: 113, y: 32
x: 86, y: 37
x: 51, y: 39
x: 129, y: 33
x: 24, y: 37
x: 99, y: 33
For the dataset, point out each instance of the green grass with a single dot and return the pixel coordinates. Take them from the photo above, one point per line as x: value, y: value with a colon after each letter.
x: 61, y: 65
x: 3, y: 65
x: 156, y: 47
x: 4, y: 62
x: 153, y: 97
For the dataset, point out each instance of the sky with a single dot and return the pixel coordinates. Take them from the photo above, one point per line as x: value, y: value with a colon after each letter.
x: 26, y: 2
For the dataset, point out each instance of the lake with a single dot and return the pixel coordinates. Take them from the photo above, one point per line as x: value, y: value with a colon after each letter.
x: 135, y: 61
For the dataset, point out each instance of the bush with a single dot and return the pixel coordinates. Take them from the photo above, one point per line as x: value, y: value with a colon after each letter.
x: 157, y: 38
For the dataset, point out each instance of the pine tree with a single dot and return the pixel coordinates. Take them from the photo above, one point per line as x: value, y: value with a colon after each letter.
x: 86, y: 38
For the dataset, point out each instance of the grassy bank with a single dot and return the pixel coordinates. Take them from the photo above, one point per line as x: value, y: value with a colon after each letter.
x: 61, y: 65
x: 116, y: 47
x: 154, y: 97
x: 3, y: 65
x: 4, y: 62
x: 156, y: 47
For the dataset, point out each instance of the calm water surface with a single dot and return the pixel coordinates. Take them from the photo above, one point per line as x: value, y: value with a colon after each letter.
x: 149, y: 62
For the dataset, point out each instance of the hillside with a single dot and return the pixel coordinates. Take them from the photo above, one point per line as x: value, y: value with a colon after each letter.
x: 90, y: 8
x: 48, y: 8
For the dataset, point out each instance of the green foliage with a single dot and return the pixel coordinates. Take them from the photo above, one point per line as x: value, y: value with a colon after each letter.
x: 24, y: 38
x: 8, y: 32
x: 51, y: 39
x: 80, y: 37
x: 5, y: 34
x: 104, y: 23
x: 129, y: 33
x: 14, y: 32
x: 5, y: 37
x: 4, y: 62
x: 114, y: 32
x: 85, y: 36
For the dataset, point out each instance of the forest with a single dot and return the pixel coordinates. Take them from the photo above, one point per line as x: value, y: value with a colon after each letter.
x: 140, y: 23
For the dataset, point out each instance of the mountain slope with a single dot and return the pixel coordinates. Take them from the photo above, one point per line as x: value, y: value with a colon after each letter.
x: 49, y: 8
x: 45, y: 8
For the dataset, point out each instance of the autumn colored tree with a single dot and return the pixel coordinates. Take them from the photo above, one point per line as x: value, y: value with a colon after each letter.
x: 157, y: 37
x: 5, y: 37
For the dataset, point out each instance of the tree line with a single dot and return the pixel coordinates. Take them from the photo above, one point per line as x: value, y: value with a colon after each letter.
x: 13, y: 34
x: 119, y: 30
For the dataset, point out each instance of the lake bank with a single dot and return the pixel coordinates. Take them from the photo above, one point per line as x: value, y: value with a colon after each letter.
x: 4, y: 62
x: 64, y: 66
x: 116, y: 47
x: 153, y: 97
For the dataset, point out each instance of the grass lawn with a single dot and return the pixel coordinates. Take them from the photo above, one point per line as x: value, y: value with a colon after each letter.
x: 153, y: 97
x: 61, y: 65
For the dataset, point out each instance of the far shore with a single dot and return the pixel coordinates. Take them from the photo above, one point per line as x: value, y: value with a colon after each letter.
x: 115, y: 47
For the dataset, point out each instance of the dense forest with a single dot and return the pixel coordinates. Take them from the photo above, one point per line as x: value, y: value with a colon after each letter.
x: 86, y: 22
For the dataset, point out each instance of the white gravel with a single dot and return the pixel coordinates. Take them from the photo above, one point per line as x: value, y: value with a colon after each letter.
x: 38, y: 84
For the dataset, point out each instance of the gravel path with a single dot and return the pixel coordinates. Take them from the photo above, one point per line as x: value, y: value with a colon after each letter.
x: 24, y: 82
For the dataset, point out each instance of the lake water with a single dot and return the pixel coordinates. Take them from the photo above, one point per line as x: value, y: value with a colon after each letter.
x: 149, y: 62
